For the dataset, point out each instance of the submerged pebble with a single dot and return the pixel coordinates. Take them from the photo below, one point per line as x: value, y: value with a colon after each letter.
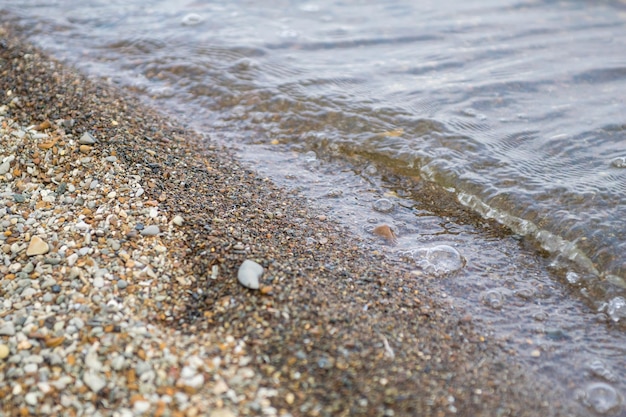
x: 617, y: 309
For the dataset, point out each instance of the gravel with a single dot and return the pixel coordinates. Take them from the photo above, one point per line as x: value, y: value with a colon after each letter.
x: 132, y: 322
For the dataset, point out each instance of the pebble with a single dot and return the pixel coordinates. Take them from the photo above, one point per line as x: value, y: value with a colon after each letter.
x: 7, y: 329
x: 37, y: 247
x: 151, y: 230
x: 141, y: 407
x: 87, y: 139
x: 4, y: 351
x: 177, y: 220
x: 122, y: 284
x: 249, y: 274
x: 94, y: 381
x: 98, y: 282
x: 6, y: 164
x: 31, y: 399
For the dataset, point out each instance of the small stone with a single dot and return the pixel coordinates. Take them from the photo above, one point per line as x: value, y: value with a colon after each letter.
x: 140, y: 407
x: 223, y: 412
x: 37, y: 247
x: 87, y: 139
x: 4, y: 351
x: 249, y: 274
x: 94, y: 381
x: 7, y: 329
x: 31, y: 399
x: 98, y: 282
x: 178, y: 220
x: 122, y: 284
x: 6, y: 164
x: 85, y: 149
x: 151, y: 230
x: 385, y: 232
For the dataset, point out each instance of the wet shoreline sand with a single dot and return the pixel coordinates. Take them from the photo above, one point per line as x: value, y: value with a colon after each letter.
x: 113, y: 320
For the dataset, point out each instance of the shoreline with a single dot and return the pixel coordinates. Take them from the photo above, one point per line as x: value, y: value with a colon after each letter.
x: 111, y: 318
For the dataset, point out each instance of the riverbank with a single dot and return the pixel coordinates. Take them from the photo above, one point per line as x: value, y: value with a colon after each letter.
x: 122, y: 236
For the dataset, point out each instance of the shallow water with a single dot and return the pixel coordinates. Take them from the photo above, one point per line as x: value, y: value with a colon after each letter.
x: 516, y: 108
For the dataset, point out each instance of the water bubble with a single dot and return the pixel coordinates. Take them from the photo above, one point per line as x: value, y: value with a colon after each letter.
x: 334, y: 193
x: 383, y: 205
x: 619, y: 162
x: 493, y: 299
x: 617, y: 309
x: 601, y: 397
x: 438, y: 260
x: 192, y: 19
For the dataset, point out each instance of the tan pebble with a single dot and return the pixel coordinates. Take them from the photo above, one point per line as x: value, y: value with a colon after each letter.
x: 43, y: 125
x: 386, y: 232
x: 24, y: 345
x: 4, y: 351
x: 535, y: 353
x: 85, y: 148
x: 223, y: 412
x: 290, y: 398
x: 37, y: 247
x: 266, y: 290
x: 54, y: 341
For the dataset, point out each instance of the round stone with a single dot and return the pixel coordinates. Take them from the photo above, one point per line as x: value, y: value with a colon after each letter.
x: 249, y: 274
x: 4, y: 351
x: 151, y: 230
x: 122, y: 284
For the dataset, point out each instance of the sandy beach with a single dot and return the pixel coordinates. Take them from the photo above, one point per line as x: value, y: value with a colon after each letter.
x: 122, y: 235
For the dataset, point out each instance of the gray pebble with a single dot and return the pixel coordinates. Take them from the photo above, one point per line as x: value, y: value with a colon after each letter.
x: 87, y: 139
x: 77, y: 322
x: 28, y: 292
x: 7, y: 329
x: 118, y: 363
x: 98, y: 282
x: 249, y: 274
x: 142, y: 367
x: 121, y: 284
x: 150, y: 230
x: 30, y: 368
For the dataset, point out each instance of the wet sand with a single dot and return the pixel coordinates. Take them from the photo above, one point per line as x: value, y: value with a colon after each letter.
x: 336, y: 328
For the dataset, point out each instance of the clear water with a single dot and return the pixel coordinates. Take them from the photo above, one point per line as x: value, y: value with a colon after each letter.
x: 516, y: 108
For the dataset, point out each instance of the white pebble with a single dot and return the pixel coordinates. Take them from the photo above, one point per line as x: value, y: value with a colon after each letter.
x: 94, y: 381
x: 98, y: 282
x: 249, y: 274
x: 141, y: 407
